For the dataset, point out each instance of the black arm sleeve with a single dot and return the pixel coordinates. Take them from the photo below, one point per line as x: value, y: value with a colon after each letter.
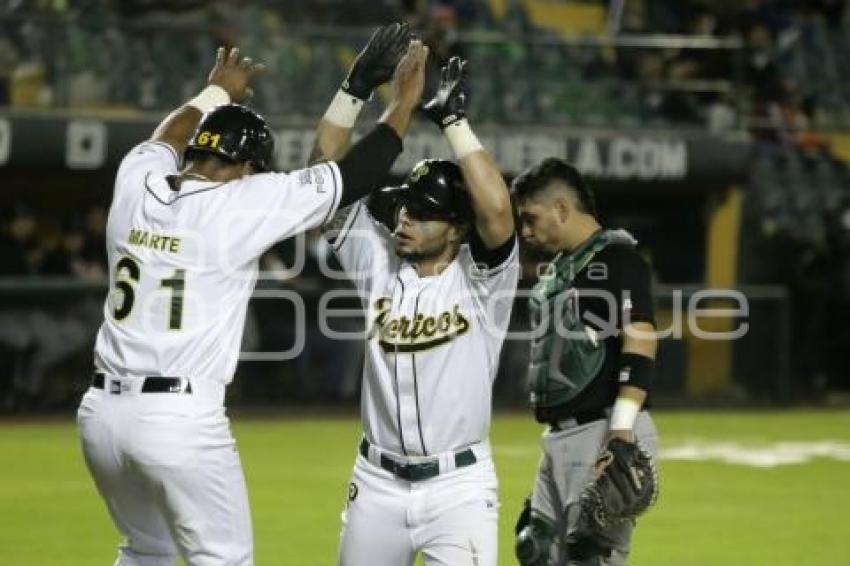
x: 636, y: 286
x: 494, y: 257
x: 367, y: 163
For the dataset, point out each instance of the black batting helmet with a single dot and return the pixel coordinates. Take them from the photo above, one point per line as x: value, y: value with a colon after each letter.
x: 434, y: 189
x: 235, y: 133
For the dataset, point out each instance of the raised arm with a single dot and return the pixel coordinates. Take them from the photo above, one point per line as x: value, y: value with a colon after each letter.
x: 367, y: 163
x: 372, y: 67
x: 488, y: 192
x: 227, y: 82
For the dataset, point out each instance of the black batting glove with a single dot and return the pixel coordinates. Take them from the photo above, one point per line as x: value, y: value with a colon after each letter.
x: 449, y: 103
x: 375, y: 64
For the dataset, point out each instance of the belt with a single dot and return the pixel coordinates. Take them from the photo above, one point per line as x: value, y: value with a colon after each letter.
x: 151, y: 384
x: 578, y: 419
x: 418, y: 471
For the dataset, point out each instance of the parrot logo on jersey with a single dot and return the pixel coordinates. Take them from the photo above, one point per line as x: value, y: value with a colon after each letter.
x: 422, y: 332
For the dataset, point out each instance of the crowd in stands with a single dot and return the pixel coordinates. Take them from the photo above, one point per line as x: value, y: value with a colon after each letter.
x: 33, y: 245
x: 38, y: 332
x: 782, y: 76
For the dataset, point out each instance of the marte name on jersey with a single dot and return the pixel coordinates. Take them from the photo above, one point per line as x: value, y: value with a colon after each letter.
x: 159, y: 242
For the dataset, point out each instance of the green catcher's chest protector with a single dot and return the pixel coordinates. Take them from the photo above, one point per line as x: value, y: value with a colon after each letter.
x: 567, y: 355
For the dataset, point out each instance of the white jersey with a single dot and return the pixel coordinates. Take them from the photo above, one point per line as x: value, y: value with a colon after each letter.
x: 433, y: 346
x: 183, y: 264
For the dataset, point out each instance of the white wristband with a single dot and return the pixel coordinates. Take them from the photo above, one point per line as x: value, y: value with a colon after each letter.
x: 462, y: 139
x: 624, y: 414
x: 344, y: 109
x: 210, y: 98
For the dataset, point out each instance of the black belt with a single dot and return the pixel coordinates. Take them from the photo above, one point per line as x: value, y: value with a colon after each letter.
x: 420, y: 470
x: 579, y: 418
x: 151, y: 384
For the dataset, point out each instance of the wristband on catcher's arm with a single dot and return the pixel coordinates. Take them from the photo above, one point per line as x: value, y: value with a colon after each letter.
x: 344, y: 109
x: 462, y: 139
x: 624, y: 414
x: 635, y: 371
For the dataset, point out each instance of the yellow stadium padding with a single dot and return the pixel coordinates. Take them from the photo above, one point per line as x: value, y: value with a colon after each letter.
x: 565, y: 16
x: 840, y: 145
x: 710, y: 361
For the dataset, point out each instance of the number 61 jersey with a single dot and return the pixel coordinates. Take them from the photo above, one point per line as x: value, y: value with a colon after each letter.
x: 183, y: 260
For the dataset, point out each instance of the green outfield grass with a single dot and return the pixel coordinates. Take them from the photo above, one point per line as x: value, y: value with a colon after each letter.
x: 710, y: 513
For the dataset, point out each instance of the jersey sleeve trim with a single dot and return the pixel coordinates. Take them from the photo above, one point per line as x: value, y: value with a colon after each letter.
x: 149, y: 189
x: 346, y: 228
x: 490, y: 258
x: 495, y: 270
x: 175, y: 196
x: 170, y: 149
x: 337, y: 198
x: 203, y: 190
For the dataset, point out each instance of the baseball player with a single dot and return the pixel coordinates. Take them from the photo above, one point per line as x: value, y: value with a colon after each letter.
x: 435, y: 262
x: 183, y: 247
x: 590, y: 368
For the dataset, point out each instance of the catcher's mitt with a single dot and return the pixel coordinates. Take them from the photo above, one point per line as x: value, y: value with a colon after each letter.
x: 626, y: 486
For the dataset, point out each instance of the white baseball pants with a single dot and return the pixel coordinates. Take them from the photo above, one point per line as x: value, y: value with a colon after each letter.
x: 167, y: 467
x: 451, y: 519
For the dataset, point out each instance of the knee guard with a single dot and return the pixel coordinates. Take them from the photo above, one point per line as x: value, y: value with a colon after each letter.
x: 588, y: 549
x: 524, y: 516
x: 535, y: 540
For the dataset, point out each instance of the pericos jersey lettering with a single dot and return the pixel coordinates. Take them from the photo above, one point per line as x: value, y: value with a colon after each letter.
x: 422, y: 332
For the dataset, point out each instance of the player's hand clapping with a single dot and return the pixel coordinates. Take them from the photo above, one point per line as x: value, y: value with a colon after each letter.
x: 449, y: 102
x: 234, y: 74
x: 375, y: 64
x: 409, y: 78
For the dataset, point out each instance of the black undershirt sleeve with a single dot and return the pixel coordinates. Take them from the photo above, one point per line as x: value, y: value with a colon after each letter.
x: 490, y: 257
x: 635, y: 285
x: 368, y: 162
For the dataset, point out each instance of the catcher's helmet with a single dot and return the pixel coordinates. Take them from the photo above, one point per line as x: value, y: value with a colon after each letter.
x: 235, y: 133
x: 434, y: 189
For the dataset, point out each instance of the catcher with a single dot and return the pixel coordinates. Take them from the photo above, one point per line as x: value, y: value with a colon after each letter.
x: 591, y: 363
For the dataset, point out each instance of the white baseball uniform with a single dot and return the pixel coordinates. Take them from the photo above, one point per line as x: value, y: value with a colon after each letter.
x: 153, y: 428
x: 424, y: 481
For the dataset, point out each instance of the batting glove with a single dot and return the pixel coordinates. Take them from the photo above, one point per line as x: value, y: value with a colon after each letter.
x: 375, y: 64
x: 449, y: 103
